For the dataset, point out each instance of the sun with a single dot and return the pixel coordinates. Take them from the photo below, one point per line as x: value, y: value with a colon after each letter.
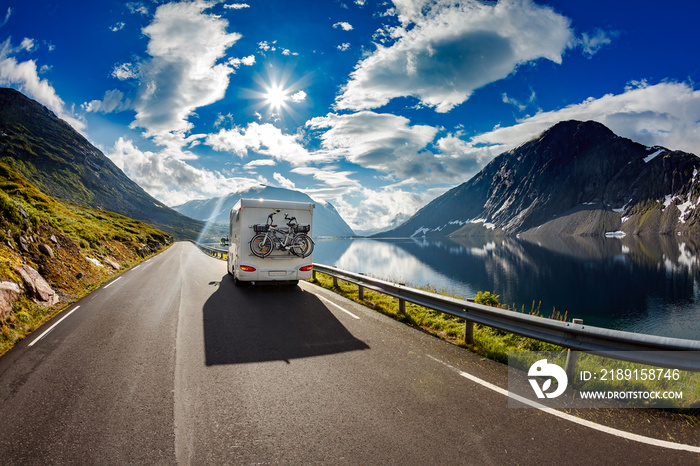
x: 276, y: 96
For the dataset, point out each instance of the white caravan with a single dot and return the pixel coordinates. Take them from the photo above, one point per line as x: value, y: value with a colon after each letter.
x: 273, y: 259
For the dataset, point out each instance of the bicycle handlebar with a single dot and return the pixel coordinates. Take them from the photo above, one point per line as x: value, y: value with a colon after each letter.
x: 269, y: 217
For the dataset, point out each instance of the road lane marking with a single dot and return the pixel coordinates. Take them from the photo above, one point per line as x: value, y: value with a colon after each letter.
x: 52, y: 327
x: 136, y: 267
x: 574, y: 419
x: 334, y: 304
x: 112, y: 282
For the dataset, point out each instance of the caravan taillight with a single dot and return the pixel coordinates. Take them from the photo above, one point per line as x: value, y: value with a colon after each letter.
x: 306, y: 268
x: 247, y: 268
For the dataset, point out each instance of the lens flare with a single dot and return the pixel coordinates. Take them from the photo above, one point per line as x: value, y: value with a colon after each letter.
x: 276, y: 96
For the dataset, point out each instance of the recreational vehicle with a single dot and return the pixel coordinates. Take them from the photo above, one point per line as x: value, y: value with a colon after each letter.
x: 270, y: 241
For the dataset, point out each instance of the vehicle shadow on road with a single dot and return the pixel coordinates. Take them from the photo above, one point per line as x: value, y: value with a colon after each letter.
x: 270, y: 323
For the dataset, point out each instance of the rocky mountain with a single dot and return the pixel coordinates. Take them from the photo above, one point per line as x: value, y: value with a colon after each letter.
x: 63, y: 164
x: 576, y: 178
x: 327, y: 221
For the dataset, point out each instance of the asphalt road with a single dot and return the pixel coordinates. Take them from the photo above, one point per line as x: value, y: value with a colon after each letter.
x: 171, y: 364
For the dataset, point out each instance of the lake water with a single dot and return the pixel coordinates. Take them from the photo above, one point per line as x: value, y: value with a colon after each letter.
x: 648, y: 285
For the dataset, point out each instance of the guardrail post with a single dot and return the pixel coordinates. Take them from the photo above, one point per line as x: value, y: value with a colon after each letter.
x: 571, y: 357
x: 335, y: 282
x: 402, y: 307
x: 313, y: 274
x: 468, y: 332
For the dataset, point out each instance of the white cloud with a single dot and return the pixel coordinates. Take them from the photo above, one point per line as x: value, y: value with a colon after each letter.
x: 183, y: 74
x: 237, y: 6
x: 112, y: 101
x: 344, y: 46
x: 137, y: 8
x: 265, y: 139
x: 517, y: 103
x: 345, y: 26
x: 124, y: 71
x: 252, y: 165
x: 384, y: 142
x: 369, y: 211
x: 298, y: 96
x: 118, y: 26
x: 24, y: 77
x: 28, y: 44
x: 265, y: 46
x: 237, y: 62
x: 7, y: 17
x: 592, y: 43
x: 170, y: 179
x: 328, y: 175
x: 283, y: 182
x: 447, y: 50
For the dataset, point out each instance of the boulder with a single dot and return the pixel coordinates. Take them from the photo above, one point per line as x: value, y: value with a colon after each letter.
x: 94, y: 262
x: 9, y: 292
x: 37, y: 287
x: 46, y: 250
x: 24, y: 214
x: 24, y: 243
x: 111, y: 263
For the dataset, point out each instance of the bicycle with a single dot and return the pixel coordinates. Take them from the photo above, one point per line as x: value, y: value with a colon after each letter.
x: 294, y: 239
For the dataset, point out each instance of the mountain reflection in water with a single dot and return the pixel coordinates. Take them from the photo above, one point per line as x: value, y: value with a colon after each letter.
x: 645, y: 285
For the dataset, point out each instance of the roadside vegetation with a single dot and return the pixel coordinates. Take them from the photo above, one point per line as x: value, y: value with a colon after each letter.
x: 73, y: 248
x: 497, y: 344
x: 489, y: 342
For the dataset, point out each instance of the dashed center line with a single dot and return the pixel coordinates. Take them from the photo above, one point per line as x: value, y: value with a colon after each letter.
x: 112, y: 282
x: 52, y: 327
x: 342, y: 309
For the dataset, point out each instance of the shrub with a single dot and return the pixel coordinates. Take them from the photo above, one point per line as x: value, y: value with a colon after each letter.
x: 488, y: 299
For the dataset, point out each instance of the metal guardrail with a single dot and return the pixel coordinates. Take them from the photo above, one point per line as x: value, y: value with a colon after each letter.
x: 219, y: 253
x: 646, y: 349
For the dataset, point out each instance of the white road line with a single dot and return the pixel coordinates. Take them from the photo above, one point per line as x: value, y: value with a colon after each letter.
x: 112, y: 282
x: 52, y: 327
x: 136, y: 267
x: 574, y: 419
x: 334, y: 304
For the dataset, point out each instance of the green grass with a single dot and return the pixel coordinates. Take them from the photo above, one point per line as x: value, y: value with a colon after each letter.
x: 74, y: 233
x: 497, y: 344
x: 489, y: 342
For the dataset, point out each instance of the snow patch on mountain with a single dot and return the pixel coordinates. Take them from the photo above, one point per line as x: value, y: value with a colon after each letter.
x: 487, y: 225
x: 651, y: 157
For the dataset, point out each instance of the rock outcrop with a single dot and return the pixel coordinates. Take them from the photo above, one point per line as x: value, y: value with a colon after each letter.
x: 9, y: 292
x: 38, y: 288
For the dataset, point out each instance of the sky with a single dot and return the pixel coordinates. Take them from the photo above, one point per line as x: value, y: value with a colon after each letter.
x: 375, y: 106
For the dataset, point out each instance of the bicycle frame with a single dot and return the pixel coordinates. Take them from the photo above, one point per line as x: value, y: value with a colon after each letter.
x: 273, y: 235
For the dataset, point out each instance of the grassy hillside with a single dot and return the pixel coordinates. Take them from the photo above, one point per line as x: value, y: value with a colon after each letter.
x: 83, y: 242
x: 62, y: 163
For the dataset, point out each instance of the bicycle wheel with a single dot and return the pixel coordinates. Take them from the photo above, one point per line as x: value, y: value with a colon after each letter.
x: 302, y: 245
x: 261, y: 245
